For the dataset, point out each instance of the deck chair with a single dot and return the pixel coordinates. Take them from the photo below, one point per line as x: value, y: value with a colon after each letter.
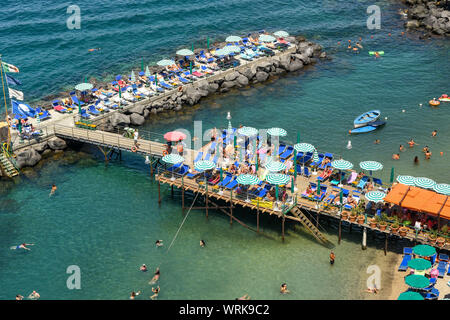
x: 404, y: 264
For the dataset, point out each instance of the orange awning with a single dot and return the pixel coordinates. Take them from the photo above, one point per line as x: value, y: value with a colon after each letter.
x: 418, y: 199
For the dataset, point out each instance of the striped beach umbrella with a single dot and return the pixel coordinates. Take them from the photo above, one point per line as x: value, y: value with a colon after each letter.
x: 234, y: 49
x: 278, y: 179
x: 132, y: 77
x: 304, y: 147
x: 248, y: 131
x: 371, y: 165
x: 185, y: 52
x: 341, y: 164
x: 247, y: 179
x: 419, y: 264
x: 172, y: 158
x: 275, y: 166
x: 277, y: 132
x: 233, y: 39
x: 221, y: 52
x: 84, y: 86
x: 442, y: 188
x: 266, y: 38
x: 147, y: 72
x: 281, y: 34
x: 375, y: 196
x: 425, y: 183
x: 410, y: 295
x: 165, y: 62
x: 315, y: 156
x: 417, y: 281
x: 424, y: 250
x: 203, y: 165
x: 406, y: 180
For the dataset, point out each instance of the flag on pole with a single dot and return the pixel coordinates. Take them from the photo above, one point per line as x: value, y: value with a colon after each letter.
x: 12, y: 81
x: 15, y: 94
x: 9, y: 67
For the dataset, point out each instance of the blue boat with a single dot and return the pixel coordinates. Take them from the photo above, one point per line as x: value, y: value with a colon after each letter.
x: 363, y: 129
x: 365, y: 118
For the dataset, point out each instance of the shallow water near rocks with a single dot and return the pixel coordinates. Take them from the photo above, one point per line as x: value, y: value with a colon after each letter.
x: 105, y: 219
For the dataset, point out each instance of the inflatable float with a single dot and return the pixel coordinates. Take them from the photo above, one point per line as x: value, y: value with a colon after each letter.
x: 434, y: 103
x: 373, y: 53
x: 444, y: 98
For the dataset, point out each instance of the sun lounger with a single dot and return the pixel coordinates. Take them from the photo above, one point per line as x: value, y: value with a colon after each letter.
x: 232, y: 184
x: 184, y: 170
x: 93, y: 111
x: 287, y: 152
x: 442, y: 268
x: 362, y: 182
x: 377, y: 181
x: 407, y: 250
x: 226, y: 180
x: 432, y: 295
x: 318, y: 162
x: 404, y: 264
x: 84, y: 114
x: 352, y: 177
x: 75, y: 100
x: 174, y: 167
x: 306, y: 172
x: 443, y: 257
x: 45, y: 114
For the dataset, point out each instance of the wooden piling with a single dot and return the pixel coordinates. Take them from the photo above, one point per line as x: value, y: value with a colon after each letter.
x: 231, y: 207
x: 282, y: 229
x: 159, y: 192
x: 206, y: 201
x: 385, y: 244
x: 182, y: 195
x: 340, y: 230
x: 257, y: 218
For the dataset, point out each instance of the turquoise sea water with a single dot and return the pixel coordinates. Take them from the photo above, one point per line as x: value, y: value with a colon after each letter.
x: 106, y: 220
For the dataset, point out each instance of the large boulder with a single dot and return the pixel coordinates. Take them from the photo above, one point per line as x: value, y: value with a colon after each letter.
x: 203, y: 92
x: 285, y: 61
x: 261, y: 76
x: 27, y: 158
x: 264, y: 66
x: 242, y: 80
x: 412, y: 24
x: 192, y: 95
x: 231, y: 76
x: 249, y: 73
x: 212, y: 87
x: 136, y: 119
x: 139, y: 109
x: 295, y: 65
x: 202, y: 85
x: 227, y: 85
x: 146, y: 114
x: 40, y: 147
x: 56, y: 143
x: 119, y: 119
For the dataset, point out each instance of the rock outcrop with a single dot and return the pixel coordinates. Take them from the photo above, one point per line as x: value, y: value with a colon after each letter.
x: 27, y: 158
x: 56, y: 143
x: 429, y: 15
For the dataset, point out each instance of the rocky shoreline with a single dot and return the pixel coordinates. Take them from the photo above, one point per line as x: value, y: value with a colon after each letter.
x: 429, y: 15
x: 303, y: 53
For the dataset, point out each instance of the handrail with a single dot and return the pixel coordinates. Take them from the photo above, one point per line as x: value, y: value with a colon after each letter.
x: 9, y: 156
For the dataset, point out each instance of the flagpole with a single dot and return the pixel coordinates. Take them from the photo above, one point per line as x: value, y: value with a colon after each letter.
x: 4, y: 97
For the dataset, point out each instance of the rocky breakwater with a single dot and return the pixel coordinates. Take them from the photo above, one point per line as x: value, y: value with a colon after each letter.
x: 30, y: 156
x: 304, y: 53
x: 429, y: 15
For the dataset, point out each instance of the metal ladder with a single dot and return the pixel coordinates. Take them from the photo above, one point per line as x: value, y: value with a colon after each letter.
x: 309, y: 225
x: 6, y: 163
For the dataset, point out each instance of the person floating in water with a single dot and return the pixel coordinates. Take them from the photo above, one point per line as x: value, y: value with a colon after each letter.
x: 133, y: 294
x: 412, y: 143
x: 34, y: 296
x: 416, y: 160
x: 434, y: 133
x: 332, y: 257
x: 143, y: 268
x: 155, y: 293
x: 95, y: 49
x: 19, y: 297
x: 52, y: 192
x: 159, y: 243
x: 402, y: 148
x: 244, y: 297
x: 155, y: 277
x: 23, y: 246
x: 202, y: 243
x: 396, y: 156
x: 377, y: 141
x: 283, y: 288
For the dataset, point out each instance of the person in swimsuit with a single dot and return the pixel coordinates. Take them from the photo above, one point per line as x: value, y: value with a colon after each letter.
x: 143, y: 268
x: 402, y: 148
x: 202, y: 243
x: 155, y: 293
x: 159, y: 243
x: 24, y: 246
x: 396, y: 156
x: 133, y: 294
x: 428, y: 154
x: 332, y: 257
x: 412, y: 143
x: 244, y: 297
x: 34, y: 296
x: 156, y: 276
x: 434, y: 133
x: 52, y: 192
x: 19, y: 297
x: 283, y: 288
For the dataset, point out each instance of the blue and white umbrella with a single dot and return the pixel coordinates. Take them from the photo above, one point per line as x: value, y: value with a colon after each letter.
x: 275, y: 166
x: 342, y: 164
x: 406, y: 180
x: 266, y: 38
x: 375, y: 196
x: 165, y: 62
x: 277, y: 132
x: 281, y: 34
x: 304, y: 147
x: 203, y: 165
x: 84, y: 86
x: 371, y: 165
x: 132, y: 77
x: 425, y: 183
x: 185, y: 52
x: 442, y: 188
x: 172, y: 159
x: 233, y: 39
x: 248, y: 131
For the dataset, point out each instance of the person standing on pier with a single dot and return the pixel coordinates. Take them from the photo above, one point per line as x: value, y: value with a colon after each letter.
x: 136, y: 137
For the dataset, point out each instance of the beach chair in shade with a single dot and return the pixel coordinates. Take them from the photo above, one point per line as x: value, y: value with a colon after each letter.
x: 404, y: 264
x: 199, y: 156
x: 287, y: 153
x: 362, y: 182
x: 442, y: 268
x: 226, y: 180
x: 233, y: 183
x: 306, y: 172
x: 431, y: 285
x: 443, y: 257
x: 183, y: 170
x: 433, y: 294
x: 407, y: 250
x: 318, y: 162
x: 183, y: 80
x: 325, y: 175
x: 323, y: 191
x: 377, y: 181
x: 174, y: 167
x: 75, y: 100
x: 330, y: 198
x: 192, y: 175
x: 281, y: 149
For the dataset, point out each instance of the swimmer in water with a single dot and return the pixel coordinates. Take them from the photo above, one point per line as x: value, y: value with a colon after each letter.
x: 155, y: 293
x: 52, y: 192
x: 332, y: 257
x: 244, y: 297
x: 412, y: 143
x: 377, y: 55
x: 359, y: 45
x: 19, y: 297
x: 34, y: 296
x: 428, y: 154
x: 434, y: 133
x: 283, y: 289
x: 159, y: 243
x: 402, y: 148
x: 23, y: 246
x: 416, y: 160
x: 95, y: 49
x: 377, y: 141
x: 133, y: 294
x: 396, y: 156
x: 155, y: 277
x: 202, y: 243
x: 143, y: 268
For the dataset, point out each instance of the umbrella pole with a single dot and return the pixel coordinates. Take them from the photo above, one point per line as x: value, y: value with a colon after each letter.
x: 206, y: 197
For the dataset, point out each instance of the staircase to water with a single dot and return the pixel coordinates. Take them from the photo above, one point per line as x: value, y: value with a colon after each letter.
x: 296, y: 212
x: 6, y: 164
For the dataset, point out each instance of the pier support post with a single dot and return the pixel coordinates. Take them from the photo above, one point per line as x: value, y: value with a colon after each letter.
x: 159, y: 192
x: 385, y: 244
x: 171, y: 191
x: 282, y: 229
x: 351, y: 225
x: 120, y: 155
x: 206, y: 200
x: 182, y: 195
x: 257, y: 218
x: 340, y: 230
x: 364, y: 239
x: 231, y: 207
x: 317, y: 220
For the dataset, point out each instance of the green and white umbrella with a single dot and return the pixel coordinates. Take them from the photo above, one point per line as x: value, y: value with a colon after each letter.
x: 234, y: 49
x: 281, y: 34
x: 375, y: 196
x: 315, y: 156
x: 132, y: 77
x: 406, y: 180
x: 203, y: 165
x: 277, y: 132
x: 247, y: 131
x: 419, y: 264
x: 304, y: 147
x: 165, y: 62
x: 341, y: 164
x: 233, y: 39
x: 172, y: 158
x: 147, y: 72
x: 185, y: 52
x: 221, y: 52
x: 275, y: 166
x: 442, y: 188
x: 266, y: 38
x: 247, y: 179
x: 84, y: 86
x: 425, y: 183
x: 278, y: 179
x: 371, y: 165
